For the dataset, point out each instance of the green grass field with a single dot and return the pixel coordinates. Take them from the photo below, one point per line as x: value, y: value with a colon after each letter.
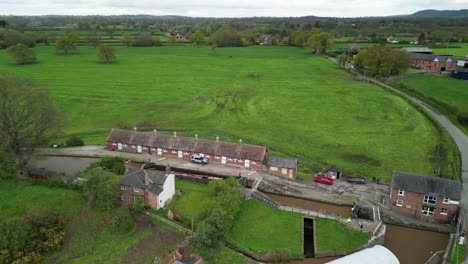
x: 191, y: 202
x: 17, y: 200
x: 332, y: 235
x: 285, y: 98
x: 462, y: 51
x: 263, y: 228
x: 447, y: 90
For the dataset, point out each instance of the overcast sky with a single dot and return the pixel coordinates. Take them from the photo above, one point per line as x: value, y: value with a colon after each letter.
x: 226, y: 8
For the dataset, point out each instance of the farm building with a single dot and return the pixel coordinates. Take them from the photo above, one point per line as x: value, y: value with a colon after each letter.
x: 155, y: 187
x: 427, y: 198
x: 282, y: 167
x: 461, y: 71
x: 249, y: 156
x: 421, y: 50
x: 433, y: 62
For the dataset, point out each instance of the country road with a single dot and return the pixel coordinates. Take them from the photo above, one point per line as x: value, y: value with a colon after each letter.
x: 458, y: 136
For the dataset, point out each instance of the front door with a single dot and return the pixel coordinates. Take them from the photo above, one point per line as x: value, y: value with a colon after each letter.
x: 139, y: 149
x: 180, y: 154
x: 160, y: 151
x: 119, y: 146
x: 247, y: 163
x: 223, y: 160
x: 290, y: 173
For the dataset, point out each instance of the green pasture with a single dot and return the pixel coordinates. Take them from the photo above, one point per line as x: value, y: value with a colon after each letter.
x: 18, y: 200
x: 333, y: 235
x: 263, y: 228
x: 461, y: 51
x: 297, y: 104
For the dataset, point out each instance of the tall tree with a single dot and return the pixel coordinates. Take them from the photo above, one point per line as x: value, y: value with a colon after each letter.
x: 28, y: 119
x: 422, y: 38
x: 106, y: 53
x: 381, y: 61
x: 126, y: 39
x: 94, y: 39
x: 22, y: 54
x: 67, y: 43
x: 197, y: 37
x: 320, y: 41
x: 102, y: 188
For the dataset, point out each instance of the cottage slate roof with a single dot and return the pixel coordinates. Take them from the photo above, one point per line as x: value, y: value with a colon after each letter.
x: 205, y: 146
x: 155, y: 189
x: 142, y: 138
x: 134, y: 178
x: 421, y: 56
x: 282, y: 162
x: 157, y: 177
x: 121, y: 136
x: 334, y: 169
x: 426, y: 184
x: 444, y: 58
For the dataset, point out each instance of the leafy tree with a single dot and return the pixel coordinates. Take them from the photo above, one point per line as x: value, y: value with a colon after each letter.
x: 114, y: 164
x: 441, y: 36
x: 3, y: 23
x: 463, y: 118
x: 213, y: 49
x: 106, y: 53
x: 22, y: 54
x: 381, y: 61
x: 146, y: 40
x: 102, y: 188
x: 67, y: 43
x: 126, y: 39
x: 320, y: 41
x: 74, y: 141
x: 27, y: 119
x: 341, y: 60
x: 422, y: 38
x: 94, y: 39
x: 226, y: 38
x: 353, y: 50
x: 11, y: 38
x: 122, y: 222
x: 14, y: 233
x: 197, y: 37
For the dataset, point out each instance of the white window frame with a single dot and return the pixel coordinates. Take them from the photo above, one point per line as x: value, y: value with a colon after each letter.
x: 123, y: 187
x: 174, y: 151
x: 443, y: 211
x: 273, y: 168
x: 446, y: 200
x: 428, y: 199
x: 136, y: 189
x: 399, y: 203
x: 217, y: 156
x: 427, y: 211
x: 401, y: 192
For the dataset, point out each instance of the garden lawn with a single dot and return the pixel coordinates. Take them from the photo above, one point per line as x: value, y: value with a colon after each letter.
x: 332, y: 235
x: 191, y: 202
x: 297, y: 104
x: 17, y: 200
x: 262, y: 228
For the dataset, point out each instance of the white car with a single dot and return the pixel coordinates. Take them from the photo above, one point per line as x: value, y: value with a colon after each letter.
x: 198, y: 159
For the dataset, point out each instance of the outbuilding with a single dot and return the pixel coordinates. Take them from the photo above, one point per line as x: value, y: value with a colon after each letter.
x: 282, y: 167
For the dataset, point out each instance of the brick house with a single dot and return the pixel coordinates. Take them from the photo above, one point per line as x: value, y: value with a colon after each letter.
x: 155, y: 187
x: 246, y: 155
x: 282, y: 167
x: 433, y: 62
x: 425, y: 197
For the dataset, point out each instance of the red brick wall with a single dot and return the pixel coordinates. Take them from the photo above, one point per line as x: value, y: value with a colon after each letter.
x: 151, y: 200
x: 127, y: 195
x: 415, y: 201
x: 279, y: 172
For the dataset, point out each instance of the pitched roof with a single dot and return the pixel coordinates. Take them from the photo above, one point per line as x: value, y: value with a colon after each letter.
x: 334, y: 169
x: 426, y: 184
x: 120, y: 135
x: 421, y: 56
x: 282, y: 162
x: 417, y: 49
x: 134, y: 178
x: 155, y: 189
x: 157, y: 177
x: 206, y: 146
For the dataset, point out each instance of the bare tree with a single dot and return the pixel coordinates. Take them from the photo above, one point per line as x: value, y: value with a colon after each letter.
x: 27, y: 119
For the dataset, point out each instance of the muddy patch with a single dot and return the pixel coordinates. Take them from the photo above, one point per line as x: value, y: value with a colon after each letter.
x: 363, y: 159
x: 249, y: 89
x: 157, y: 244
x: 201, y: 99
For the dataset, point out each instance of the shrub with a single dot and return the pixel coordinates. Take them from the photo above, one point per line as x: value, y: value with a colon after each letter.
x: 74, y: 141
x: 122, y: 221
x: 463, y: 118
x: 280, y: 256
x: 139, y: 205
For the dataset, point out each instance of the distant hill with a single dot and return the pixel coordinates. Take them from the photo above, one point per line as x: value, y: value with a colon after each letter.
x: 441, y: 13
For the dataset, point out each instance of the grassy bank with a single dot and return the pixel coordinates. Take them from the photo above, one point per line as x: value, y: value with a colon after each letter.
x: 295, y: 103
x: 332, y: 235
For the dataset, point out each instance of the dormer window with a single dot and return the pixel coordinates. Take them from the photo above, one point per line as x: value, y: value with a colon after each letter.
x: 446, y: 200
x: 135, y: 189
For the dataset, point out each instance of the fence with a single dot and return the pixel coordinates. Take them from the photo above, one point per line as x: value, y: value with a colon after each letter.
x: 171, y: 223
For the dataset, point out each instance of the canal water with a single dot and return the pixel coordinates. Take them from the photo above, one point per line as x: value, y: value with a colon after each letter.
x: 70, y: 166
x: 341, y: 210
x: 414, y: 246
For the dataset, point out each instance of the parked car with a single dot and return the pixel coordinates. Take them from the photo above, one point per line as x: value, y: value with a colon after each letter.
x: 357, y: 180
x: 323, y: 179
x: 198, y: 159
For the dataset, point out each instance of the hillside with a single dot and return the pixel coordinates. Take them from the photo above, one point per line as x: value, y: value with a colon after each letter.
x: 441, y: 13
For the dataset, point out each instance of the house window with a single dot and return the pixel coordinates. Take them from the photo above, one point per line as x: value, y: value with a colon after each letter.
x: 135, y: 189
x: 185, y: 152
x: 443, y: 211
x: 274, y: 168
x: 401, y: 192
x: 446, y: 200
x: 399, y: 203
x: 430, y: 199
x: 123, y: 187
x: 217, y: 156
x: 426, y: 210
x: 284, y: 171
x: 174, y: 151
